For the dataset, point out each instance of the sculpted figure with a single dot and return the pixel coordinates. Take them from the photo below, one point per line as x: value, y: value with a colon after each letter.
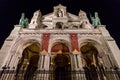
x: 23, y: 21
x: 95, y: 20
x: 26, y: 22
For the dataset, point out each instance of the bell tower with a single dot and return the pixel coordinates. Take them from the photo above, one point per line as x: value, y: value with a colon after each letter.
x: 60, y: 46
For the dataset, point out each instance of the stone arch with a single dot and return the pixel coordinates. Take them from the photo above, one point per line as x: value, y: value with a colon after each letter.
x: 97, y: 43
x: 58, y: 40
x: 92, y: 56
x: 28, y: 58
x: 63, y: 44
x: 17, y: 50
x: 60, y: 46
x: 60, y: 50
x: 87, y: 52
x: 22, y: 43
x: 92, y: 43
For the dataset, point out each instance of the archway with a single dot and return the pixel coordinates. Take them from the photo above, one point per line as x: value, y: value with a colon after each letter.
x: 28, y: 63
x: 60, y: 61
x: 92, y: 62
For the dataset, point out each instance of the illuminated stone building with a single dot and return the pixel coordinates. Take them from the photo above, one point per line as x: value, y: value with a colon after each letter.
x: 59, y: 46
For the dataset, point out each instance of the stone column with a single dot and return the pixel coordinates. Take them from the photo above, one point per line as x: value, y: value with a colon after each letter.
x: 39, y: 62
x: 80, y: 68
x: 75, y: 68
x: 75, y: 61
x: 72, y: 61
x: 43, y: 67
x: 42, y: 62
x: 46, y: 66
x: 46, y: 62
x: 72, y: 65
x: 40, y: 67
x: 79, y: 61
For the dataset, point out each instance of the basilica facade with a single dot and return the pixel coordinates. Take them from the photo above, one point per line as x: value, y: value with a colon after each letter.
x: 60, y: 46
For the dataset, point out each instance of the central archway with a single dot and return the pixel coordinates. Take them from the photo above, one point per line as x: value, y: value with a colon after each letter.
x: 60, y: 61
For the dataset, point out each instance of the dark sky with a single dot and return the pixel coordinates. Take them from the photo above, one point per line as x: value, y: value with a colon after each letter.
x: 10, y: 12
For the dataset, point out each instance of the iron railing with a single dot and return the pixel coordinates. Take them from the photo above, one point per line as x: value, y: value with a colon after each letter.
x: 61, y: 75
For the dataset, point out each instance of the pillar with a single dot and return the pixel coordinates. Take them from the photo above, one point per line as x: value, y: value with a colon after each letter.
x: 39, y: 74
x: 43, y: 67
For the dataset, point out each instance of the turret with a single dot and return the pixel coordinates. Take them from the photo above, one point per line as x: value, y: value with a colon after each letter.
x: 36, y: 20
x: 84, y: 21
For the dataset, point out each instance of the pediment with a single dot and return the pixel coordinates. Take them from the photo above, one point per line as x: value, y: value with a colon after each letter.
x: 68, y: 16
x: 60, y: 12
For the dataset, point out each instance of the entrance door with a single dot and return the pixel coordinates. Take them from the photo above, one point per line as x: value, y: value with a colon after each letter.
x: 60, y: 73
x: 62, y: 70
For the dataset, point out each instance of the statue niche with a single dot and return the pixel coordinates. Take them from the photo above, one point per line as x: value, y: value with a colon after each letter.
x: 59, y: 13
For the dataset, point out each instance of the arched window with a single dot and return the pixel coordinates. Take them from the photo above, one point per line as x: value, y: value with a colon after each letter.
x: 59, y: 25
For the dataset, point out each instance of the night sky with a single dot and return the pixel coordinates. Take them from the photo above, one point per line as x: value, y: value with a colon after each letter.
x: 10, y: 12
